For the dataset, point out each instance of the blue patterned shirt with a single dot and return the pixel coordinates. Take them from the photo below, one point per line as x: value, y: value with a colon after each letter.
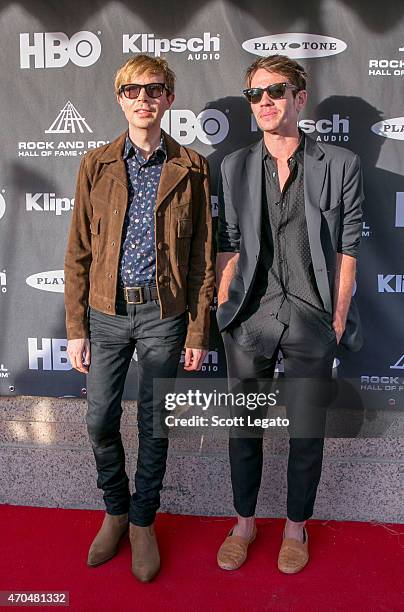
x: 138, y: 255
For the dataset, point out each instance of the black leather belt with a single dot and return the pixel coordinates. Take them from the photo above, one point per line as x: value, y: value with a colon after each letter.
x: 138, y: 295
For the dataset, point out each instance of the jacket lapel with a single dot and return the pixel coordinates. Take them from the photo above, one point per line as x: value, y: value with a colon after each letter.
x: 254, y: 182
x: 315, y: 168
x: 175, y: 168
x: 113, y: 156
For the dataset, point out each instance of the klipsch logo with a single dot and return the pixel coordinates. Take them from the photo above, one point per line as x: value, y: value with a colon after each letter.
x: 68, y: 121
x: 210, y: 127
x: 48, y: 281
x: 295, y: 45
x: 210, y: 363
x: 334, y: 129
x: 279, y: 367
x: 48, y: 202
x: 3, y: 281
x: 55, y: 49
x: 399, y: 221
x: 214, y: 201
x: 390, y: 283
x: 202, y: 48
x: 2, y: 205
x: 390, y: 128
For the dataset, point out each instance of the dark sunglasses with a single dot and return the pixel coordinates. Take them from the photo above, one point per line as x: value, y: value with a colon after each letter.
x: 275, y: 92
x: 132, y: 90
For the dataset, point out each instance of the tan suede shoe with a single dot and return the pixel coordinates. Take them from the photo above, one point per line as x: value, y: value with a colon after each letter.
x: 105, y: 543
x: 233, y: 552
x: 293, y: 555
x: 145, y: 552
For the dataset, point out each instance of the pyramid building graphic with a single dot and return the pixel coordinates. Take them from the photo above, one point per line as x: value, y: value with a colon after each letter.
x: 68, y: 121
x: 399, y: 365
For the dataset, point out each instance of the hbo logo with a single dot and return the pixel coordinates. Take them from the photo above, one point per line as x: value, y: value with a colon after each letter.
x: 55, y: 49
x: 210, y: 126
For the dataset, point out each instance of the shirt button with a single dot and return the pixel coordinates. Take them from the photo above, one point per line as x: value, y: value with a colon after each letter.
x: 113, y: 243
x: 109, y: 306
x: 160, y: 246
x: 159, y: 213
x: 109, y: 275
x: 115, y: 212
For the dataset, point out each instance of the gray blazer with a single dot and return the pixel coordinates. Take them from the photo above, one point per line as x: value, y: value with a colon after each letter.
x: 333, y: 195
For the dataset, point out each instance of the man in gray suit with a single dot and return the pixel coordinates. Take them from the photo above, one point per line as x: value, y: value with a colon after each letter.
x: 289, y: 231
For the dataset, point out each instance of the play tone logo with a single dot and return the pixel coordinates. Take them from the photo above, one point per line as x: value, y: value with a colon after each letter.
x: 67, y: 121
x: 295, y: 45
x: 55, y: 49
x: 390, y: 128
x: 206, y: 48
x: 53, y: 281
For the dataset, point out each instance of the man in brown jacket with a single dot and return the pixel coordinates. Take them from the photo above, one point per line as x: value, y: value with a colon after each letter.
x: 138, y: 274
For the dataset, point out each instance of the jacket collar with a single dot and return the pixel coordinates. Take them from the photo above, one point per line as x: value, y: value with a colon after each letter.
x: 176, y: 154
x: 311, y: 147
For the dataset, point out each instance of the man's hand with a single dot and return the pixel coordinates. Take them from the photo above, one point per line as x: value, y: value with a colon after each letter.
x: 79, y: 354
x: 339, y: 328
x: 343, y: 286
x: 194, y: 359
x: 225, y: 270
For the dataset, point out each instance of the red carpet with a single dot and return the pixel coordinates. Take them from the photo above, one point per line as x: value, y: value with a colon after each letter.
x: 354, y: 566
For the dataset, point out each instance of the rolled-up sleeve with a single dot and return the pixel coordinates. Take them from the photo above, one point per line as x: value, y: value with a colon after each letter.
x: 352, y: 198
x: 228, y: 234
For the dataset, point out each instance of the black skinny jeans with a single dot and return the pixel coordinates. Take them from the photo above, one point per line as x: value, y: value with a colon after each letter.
x: 113, y: 340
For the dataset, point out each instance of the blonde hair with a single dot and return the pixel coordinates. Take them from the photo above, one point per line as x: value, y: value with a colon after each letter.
x: 144, y: 63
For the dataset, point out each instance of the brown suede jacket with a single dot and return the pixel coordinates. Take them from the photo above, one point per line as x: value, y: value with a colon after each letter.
x: 183, y: 236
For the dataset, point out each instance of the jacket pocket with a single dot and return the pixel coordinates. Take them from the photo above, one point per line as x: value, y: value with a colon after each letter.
x: 95, y: 237
x: 183, y: 239
x: 334, y: 211
x: 331, y: 224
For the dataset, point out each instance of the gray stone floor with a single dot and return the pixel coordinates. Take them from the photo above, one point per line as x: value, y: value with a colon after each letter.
x: 46, y: 460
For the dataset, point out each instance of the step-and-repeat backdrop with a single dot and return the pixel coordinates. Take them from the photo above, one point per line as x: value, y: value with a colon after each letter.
x: 57, y: 102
